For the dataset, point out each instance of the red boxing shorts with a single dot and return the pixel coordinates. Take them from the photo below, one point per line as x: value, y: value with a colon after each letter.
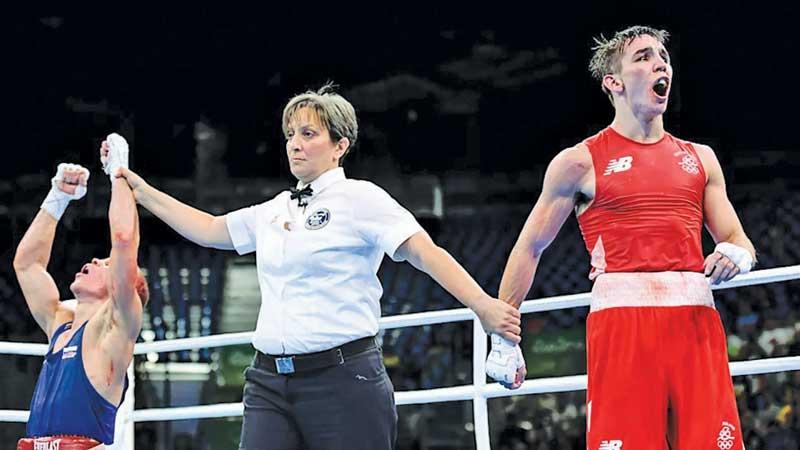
x: 58, y: 443
x: 658, y: 366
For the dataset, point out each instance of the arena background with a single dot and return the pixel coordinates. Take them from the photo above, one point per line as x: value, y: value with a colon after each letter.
x: 460, y: 109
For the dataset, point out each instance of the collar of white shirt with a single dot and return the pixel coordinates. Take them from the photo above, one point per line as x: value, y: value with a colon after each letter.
x: 326, y: 179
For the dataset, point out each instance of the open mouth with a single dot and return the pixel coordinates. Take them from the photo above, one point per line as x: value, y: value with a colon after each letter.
x: 85, y: 269
x: 661, y: 86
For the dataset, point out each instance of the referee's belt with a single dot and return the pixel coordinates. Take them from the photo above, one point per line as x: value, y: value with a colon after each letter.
x: 57, y: 443
x: 288, y: 364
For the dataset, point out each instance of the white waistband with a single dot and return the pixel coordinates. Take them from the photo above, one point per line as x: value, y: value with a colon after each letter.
x: 621, y: 289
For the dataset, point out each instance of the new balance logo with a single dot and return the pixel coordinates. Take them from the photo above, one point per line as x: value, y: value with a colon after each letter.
x: 610, y: 445
x: 618, y: 165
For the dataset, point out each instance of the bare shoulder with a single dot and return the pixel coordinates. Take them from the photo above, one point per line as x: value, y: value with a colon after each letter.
x: 576, y: 158
x: 571, y: 170
x: 577, y: 154
x: 65, y: 312
x: 709, y: 160
x: 704, y: 151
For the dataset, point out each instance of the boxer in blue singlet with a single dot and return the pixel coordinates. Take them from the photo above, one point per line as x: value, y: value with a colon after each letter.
x: 84, y: 376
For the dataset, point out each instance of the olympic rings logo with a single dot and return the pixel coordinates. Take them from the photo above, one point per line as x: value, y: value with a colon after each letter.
x: 690, y: 165
x: 725, y: 439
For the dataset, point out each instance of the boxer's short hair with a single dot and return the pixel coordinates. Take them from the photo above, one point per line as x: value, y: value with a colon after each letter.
x: 607, y: 53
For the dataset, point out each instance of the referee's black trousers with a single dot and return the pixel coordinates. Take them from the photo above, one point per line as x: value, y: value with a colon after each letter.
x: 342, y: 407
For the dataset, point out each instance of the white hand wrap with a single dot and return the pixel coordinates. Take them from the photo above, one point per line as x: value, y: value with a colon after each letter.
x: 738, y: 255
x: 504, y: 360
x: 117, y: 155
x: 57, y: 200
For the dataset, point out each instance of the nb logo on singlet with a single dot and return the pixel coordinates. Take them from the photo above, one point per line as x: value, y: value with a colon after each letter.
x: 610, y: 445
x: 619, y: 165
x: 52, y: 445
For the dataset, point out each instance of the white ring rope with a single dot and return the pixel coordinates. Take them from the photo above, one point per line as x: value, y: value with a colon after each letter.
x: 438, y: 395
x: 407, y: 320
x: 478, y: 392
x: 18, y: 348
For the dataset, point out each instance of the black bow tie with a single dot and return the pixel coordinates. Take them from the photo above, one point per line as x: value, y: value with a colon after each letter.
x: 300, y: 193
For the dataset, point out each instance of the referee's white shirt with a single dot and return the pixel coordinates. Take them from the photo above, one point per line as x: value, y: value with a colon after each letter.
x: 317, y: 266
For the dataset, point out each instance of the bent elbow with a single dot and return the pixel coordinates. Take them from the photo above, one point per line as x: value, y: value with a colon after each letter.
x: 20, y: 265
x: 22, y: 261
x: 532, y: 249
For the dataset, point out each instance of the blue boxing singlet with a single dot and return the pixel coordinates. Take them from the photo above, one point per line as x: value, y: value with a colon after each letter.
x: 64, y: 401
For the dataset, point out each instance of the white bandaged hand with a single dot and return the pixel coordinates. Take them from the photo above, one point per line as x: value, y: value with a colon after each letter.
x: 117, y: 155
x: 68, y: 184
x: 504, y: 361
x: 738, y: 255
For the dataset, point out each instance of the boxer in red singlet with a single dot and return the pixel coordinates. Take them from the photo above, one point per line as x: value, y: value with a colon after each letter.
x: 657, y: 361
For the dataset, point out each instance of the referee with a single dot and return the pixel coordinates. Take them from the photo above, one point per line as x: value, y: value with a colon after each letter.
x: 318, y: 380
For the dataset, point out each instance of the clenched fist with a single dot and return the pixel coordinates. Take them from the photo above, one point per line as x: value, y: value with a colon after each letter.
x: 68, y: 184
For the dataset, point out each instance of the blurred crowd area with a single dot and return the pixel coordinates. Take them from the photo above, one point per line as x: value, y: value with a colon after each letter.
x: 194, y: 290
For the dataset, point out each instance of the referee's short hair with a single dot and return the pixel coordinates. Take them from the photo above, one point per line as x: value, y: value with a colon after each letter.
x: 334, y: 112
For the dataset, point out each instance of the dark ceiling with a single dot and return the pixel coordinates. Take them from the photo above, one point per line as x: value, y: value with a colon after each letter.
x: 490, y: 89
